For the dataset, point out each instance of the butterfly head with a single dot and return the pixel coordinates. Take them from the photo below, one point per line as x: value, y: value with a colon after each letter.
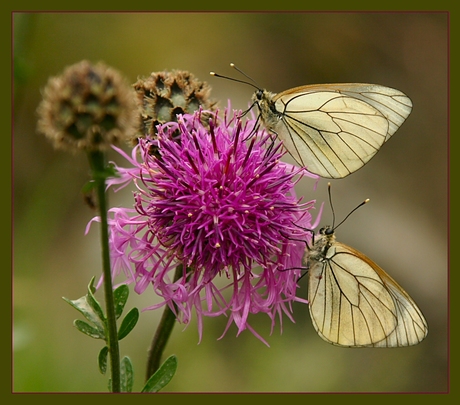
x: 327, y: 230
x: 325, y: 238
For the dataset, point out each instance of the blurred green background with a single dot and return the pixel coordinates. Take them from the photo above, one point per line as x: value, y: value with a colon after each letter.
x: 403, y: 229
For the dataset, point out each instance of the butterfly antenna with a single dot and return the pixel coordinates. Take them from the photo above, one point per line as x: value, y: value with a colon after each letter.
x: 253, y: 84
x: 351, y: 212
x: 330, y: 203
x: 245, y: 75
x: 343, y: 220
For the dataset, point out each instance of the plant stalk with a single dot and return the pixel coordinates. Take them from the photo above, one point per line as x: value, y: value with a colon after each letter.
x: 162, y: 335
x: 97, y: 162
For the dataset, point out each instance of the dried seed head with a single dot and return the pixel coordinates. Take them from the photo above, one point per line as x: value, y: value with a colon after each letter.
x: 165, y: 94
x: 88, y: 108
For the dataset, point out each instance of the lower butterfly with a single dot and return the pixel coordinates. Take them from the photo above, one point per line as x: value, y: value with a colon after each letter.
x: 332, y: 129
x: 354, y: 303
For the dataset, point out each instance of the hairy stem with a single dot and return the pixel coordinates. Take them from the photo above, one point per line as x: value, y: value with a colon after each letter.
x: 162, y: 335
x: 97, y: 161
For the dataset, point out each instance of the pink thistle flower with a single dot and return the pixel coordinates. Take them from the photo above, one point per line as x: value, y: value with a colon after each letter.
x: 220, y: 203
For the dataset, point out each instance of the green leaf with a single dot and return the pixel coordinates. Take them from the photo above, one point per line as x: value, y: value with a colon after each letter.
x: 102, y: 359
x: 111, y: 170
x: 85, y: 309
x: 88, y: 187
x: 89, y: 330
x: 105, y: 172
x: 128, y: 323
x: 163, y: 375
x: 126, y: 375
x: 91, y: 286
x: 120, y: 296
x: 94, y: 304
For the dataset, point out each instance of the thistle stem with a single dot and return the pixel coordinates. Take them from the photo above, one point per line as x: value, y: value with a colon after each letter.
x: 162, y: 335
x: 97, y: 162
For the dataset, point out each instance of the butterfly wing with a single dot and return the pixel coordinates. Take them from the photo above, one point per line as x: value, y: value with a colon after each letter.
x: 335, y: 129
x: 354, y: 303
x: 412, y: 327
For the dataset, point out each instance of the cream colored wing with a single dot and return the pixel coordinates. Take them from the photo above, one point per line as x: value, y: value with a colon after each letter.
x: 354, y: 303
x: 412, y: 327
x: 333, y: 130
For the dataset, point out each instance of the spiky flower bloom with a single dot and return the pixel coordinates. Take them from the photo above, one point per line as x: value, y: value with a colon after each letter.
x: 220, y: 209
x: 88, y: 107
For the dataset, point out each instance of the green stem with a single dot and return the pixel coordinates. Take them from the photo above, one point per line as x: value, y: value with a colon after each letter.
x: 97, y: 162
x: 162, y: 335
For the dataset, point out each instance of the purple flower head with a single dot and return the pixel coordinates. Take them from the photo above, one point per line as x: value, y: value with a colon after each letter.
x: 219, y: 206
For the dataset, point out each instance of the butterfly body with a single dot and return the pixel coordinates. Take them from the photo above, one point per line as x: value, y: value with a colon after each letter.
x: 355, y: 303
x: 333, y: 129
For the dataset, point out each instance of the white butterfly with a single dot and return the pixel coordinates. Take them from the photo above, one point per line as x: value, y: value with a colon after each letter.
x: 332, y: 129
x: 354, y: 303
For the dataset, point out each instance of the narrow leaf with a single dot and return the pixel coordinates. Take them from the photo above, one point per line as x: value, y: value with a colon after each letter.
x: 128, y: 323
x: 111, y: 170
x: 94, y: 304
x: 91, y: 286
x: 126, y: 374
x: 88, y: 187
x: 89, y: 330
x: 163, y: 375
x: 105, y: 172
x: 102, y: 359
x: 82, y: 306
x: 120, y: 296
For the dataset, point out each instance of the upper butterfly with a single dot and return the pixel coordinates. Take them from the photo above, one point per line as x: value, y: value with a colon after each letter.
x: 332, y: 129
